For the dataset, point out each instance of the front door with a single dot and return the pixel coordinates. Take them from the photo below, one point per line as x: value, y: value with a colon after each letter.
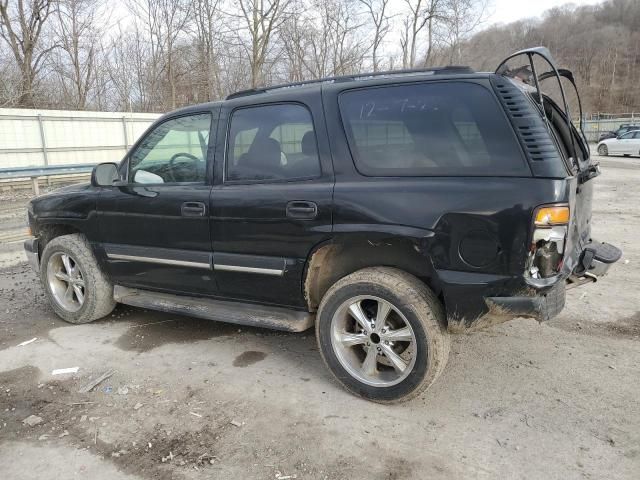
x: 154, y: 228
x: 272, y: 199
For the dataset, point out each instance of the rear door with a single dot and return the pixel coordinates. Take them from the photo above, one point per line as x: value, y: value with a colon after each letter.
x: 272, y: 198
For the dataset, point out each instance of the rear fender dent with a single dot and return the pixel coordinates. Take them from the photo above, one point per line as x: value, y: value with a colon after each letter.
x: 332, y: 261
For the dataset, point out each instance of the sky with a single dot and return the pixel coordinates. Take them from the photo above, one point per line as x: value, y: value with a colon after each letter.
x: 505, y: 11
x: 498, y: 11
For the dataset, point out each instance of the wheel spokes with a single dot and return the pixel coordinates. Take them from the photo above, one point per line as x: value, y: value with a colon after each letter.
x: 75, y: 272
x: 399, y: 335
x: 63, y: 276
x: 79, y: 294
x: 349, y: 339
x: 68, y: 294
x: 370, y: 362
x: 66, y: 262
x: 381, y: 316
x: 396, y: 360
x: 355, y: 309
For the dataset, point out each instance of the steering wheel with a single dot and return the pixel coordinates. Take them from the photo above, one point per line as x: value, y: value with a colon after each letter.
x: 172, y: 162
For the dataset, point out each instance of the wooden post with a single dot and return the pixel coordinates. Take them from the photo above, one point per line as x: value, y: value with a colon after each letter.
x: 35, y: 186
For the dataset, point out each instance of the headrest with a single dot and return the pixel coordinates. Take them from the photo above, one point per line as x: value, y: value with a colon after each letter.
x: 309, y: 144
x: 264, y: 153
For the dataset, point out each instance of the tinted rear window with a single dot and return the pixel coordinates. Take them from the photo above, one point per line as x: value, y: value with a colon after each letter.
x: 272, y: 143
x: 430, y: 129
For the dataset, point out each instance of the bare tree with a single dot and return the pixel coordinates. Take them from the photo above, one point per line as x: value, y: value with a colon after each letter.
x: 296, y: 43
x: 263, y: 20
x: 9, y: 80
x: 124, y: 68
x: 338, y: 49
x: 79, y: 39
x: 175, y: 52
x: 377, y: 11
x: 206, y: 16
x: 460, y: 18
x: 22, y: 25
x: 422, y: 13
x: 163, y: 21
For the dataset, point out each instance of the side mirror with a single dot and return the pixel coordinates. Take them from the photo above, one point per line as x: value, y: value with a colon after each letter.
x: 104, y: 175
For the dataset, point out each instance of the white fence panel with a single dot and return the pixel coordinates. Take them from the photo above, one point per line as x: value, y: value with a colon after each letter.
x: 30, y: 138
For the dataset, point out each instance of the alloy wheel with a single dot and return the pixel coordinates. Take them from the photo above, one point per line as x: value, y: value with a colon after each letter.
x: 373, y: 341
x: 66, y: 282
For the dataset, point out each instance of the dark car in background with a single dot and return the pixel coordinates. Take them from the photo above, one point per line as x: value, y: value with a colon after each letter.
x: 387, y: 209
x: 624, y: 128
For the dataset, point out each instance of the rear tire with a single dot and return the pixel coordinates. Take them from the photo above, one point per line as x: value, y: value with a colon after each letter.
x: 390, y: 359
x: 77, y: 289
x: 603, y: 150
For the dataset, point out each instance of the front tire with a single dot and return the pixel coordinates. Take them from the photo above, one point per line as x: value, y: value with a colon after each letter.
x: 603, y: 150
x: 77, y: 289
x: 382, y: 334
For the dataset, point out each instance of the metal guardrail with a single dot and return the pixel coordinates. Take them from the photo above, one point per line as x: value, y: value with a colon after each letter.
x: 34, y: 173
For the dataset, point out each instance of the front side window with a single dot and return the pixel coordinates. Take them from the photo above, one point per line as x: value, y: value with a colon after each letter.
x: 430, y: 129
x: 174, y: 152
x: 271, y: 143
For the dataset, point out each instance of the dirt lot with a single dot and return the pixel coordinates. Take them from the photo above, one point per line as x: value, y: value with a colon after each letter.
x: 196, y: 399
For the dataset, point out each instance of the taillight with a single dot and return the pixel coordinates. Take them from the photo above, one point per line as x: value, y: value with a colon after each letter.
x: 548, y: 216
x: 550, y: 227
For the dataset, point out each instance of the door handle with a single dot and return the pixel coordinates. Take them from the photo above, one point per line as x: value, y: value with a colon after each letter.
x: 193, y: 209
x: 302, y: 209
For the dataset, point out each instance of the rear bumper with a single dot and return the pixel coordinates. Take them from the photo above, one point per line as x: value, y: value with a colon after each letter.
x: 31, y: 251
x: 542, y: 307
x: 476, y: 300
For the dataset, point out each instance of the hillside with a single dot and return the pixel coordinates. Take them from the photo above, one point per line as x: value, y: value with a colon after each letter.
x: 600, y: 44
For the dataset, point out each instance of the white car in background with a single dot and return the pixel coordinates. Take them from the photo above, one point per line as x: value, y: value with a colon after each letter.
x: 626, y: 144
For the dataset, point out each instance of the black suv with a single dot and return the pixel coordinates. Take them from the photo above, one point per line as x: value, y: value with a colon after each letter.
x: 388, y: 209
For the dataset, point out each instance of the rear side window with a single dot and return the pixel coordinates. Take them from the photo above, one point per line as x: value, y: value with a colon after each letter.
x: 271, y: 143
x: 430, y: 129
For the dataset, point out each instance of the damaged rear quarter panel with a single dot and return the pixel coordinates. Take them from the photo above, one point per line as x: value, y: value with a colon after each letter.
x: 480, y: 227
x: 464, y: 213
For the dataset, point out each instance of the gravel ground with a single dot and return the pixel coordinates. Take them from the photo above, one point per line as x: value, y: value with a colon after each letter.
x: 192, y: 399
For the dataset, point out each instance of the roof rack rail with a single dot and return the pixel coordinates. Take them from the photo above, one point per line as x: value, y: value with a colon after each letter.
x: 451, y: 69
